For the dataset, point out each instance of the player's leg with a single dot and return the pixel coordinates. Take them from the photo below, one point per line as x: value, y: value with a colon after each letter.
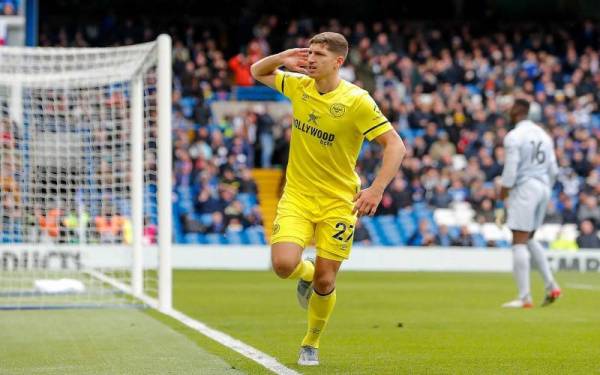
x: 334, y: 233
x: 286, y: 262
x: 521, y: 221
x: 292, y: 231
x: 537, y: 252
x: 552, y: 290
x: 320, y: 307
x: 521, y: 270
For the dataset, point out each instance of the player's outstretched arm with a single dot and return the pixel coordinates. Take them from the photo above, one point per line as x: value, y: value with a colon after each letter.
x: 295, y: 59
x: 394, y: 150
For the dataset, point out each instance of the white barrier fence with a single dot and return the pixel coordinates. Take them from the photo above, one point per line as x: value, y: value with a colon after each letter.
x: 258, y: 258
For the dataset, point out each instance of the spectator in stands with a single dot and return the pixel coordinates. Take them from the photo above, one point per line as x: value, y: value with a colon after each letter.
x: 191, y: 225
x: 230, y: 180
x: 443, y: 238
x: 218, y: 223
x: 240, y: 66
x: 386, y: 207
x: 588, y: 238
x: 464, y: 238
x: 254, y: 218
x: 564, y: 242
x: 553, y: 215
x: 440, y: 93
x: 265, y: 123
x: 235, y: 210
x: 486, y: 211
x: 206, y: 203
x: 442, y: 147
x: 441, y: 198
x: 400, y: 193
x: 589, y: 210
x: 50, y: 223
x: 234, y: 225
x: 423, y: 236
x: 150, y: 235
x: 247, y: 184
x: 569, y: 213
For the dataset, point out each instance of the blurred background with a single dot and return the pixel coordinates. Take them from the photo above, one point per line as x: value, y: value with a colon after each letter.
x: 444, y: 74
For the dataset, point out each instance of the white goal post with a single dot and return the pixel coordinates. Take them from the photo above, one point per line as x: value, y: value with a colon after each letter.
x: 85, y: 176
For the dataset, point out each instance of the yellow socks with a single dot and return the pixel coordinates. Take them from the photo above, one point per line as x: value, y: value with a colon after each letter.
x: 305, y: 270
x: 319, y: 310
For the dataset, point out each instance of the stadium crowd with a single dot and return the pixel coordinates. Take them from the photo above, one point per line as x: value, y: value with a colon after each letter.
x: 446, y: 89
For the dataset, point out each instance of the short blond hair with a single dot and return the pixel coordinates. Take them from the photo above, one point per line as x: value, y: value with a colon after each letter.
x: 335, y: 42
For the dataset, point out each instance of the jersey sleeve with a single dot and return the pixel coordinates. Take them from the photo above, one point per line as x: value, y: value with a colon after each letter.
x: 368, y: 118
x: 287, y: 82
x: 511, y: 161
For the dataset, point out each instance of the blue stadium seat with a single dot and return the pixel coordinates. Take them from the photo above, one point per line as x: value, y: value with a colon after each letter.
x: 233, y: 238
x: 478, y: 240
x: 258, y: 93
x: 215, y: 239
x: 205, y: 219
x: 371, y: 228
x: 192, y: 238
x: 256, y: 236
x: 454, y: 231
x: 389, y: 231
x: 503, y: 244
x: 406, y: 221
x: 248, y: 200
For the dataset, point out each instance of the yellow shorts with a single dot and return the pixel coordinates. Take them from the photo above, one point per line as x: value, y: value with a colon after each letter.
x: 330, y: 221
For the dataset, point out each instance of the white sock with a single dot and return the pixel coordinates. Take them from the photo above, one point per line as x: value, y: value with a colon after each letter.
x: 521, y: 271
x: 537, y: 252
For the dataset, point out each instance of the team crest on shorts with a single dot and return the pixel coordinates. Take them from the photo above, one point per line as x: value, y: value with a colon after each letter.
x: 337, y: 110
x: 275, y: 229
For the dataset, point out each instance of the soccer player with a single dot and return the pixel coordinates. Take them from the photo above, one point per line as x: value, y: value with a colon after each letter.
x: 530, y: 170
x: 322, y: 196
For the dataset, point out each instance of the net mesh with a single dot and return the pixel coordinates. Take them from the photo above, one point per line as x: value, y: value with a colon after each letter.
x: 66, y: 174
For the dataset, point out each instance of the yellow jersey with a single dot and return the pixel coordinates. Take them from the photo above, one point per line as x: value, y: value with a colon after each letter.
x: 327, y: 133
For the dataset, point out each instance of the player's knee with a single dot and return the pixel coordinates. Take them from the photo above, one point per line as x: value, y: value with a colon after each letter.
x: 282, y: 267
x: 324, y: 284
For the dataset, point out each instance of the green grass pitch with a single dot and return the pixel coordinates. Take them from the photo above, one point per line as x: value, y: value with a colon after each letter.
x: 384, y: 323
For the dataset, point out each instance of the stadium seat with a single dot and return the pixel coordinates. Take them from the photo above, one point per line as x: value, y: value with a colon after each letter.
x: 205, y: 219
x: 256, y: 236
x: 478, y: 240
x: 233, y: 238
x: 547, y: 232
x: 215, y: 239
x: 491, y: 232
x: 444, y: 216
x: 388, y: 231
x: 371, y: 228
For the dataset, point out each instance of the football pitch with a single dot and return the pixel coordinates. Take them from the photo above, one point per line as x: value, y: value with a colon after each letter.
x: 384, y: 323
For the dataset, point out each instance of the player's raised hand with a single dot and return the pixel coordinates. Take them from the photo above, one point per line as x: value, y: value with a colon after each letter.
x: 367, y: 200
x: 295, y: 59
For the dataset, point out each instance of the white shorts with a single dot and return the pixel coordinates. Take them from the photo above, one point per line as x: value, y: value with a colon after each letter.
x: 527, y: 206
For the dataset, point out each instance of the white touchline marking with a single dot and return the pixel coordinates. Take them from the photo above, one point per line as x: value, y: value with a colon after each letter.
x: 246, y: 350
x: 582, y: 286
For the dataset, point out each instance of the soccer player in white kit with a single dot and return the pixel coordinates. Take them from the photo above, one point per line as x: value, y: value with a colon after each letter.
x: 530, y: 170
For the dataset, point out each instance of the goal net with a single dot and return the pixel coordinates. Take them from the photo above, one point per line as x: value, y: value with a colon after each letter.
x: 85, y: 174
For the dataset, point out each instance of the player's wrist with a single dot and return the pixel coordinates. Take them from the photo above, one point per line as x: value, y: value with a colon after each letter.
x: 378, y: 188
